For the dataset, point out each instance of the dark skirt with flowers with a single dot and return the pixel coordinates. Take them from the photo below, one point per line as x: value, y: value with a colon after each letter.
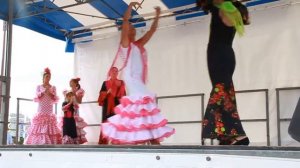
x: 221, y: 120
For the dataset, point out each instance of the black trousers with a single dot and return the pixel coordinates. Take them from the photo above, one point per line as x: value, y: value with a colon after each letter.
x: 221, y: 120
x: 69, y: 127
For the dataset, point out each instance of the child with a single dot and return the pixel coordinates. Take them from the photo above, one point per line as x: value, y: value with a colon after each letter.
x: 80, y: 123
x: 69, y: 108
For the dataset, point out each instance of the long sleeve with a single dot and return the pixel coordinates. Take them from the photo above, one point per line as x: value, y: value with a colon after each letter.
x: 122, y: 91
x: 55, y: 98
x: 65, y: 106
x: 80, y: 93
x: 39, y: 93
x: 102, y: 94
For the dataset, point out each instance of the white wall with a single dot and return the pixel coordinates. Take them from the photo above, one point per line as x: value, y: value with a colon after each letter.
x: 105, y: 159
x: 267, y: 58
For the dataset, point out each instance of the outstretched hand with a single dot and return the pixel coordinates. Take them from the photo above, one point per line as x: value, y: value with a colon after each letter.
x: 157, y: 10
x: 136, y: 5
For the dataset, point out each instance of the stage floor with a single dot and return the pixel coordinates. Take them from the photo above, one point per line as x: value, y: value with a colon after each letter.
x: 97, y: 156
x: 277, y: 152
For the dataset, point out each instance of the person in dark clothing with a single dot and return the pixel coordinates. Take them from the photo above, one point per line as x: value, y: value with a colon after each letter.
x: 221, y: 120
x: 109, y: 97
x: 69, y: 108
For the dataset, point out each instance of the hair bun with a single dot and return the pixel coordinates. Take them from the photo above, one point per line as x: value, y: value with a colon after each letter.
x: 47, y: 71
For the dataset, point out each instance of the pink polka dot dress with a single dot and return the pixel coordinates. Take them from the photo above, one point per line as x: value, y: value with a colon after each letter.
x: 43, y: 128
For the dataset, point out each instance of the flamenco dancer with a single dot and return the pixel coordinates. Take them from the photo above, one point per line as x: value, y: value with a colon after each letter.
x: 43, y: 129
x: 137, y: 119
x: 221, y: 121
x: 69, y: 108
x: 80, y: 123
x: 111, y: 92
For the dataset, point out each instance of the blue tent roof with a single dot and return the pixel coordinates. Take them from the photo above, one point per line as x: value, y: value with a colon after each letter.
x: 61, y: 19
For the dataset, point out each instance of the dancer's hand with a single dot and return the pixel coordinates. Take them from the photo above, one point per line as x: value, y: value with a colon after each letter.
x: 47, y: 91
x: 135, y: 5
x: 158, y: 10
x: 73, y: 100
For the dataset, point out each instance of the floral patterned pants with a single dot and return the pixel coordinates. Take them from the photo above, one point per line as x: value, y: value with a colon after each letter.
x: 221, y: 120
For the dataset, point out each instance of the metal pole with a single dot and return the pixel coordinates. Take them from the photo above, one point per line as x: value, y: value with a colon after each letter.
x: 55, y: 108
x: 8, y: 70
x: 268, y: 117
x: 18, y: 121
x: 202, y: 117
x: 45, y: 11
x: 2, y: 65
x: 3, y: 49
x: 278, y: 117
x: 202, y: 107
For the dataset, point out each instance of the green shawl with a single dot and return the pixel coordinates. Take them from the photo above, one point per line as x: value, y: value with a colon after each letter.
x: 234, y: 15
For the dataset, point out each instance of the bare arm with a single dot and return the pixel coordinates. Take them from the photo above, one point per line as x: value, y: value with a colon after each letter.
x: 125, y: 26
x: 142, y: 41
x: 225, y: 19
x: 78, y: 99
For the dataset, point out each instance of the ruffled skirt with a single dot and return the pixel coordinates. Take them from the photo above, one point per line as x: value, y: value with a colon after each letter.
x: 80, y: 125
x: 43, y: 130
x: 138, y: 120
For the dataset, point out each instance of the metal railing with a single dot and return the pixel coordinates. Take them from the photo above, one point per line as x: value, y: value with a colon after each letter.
x: 92, y: 102
x: 267, y: 119
x: 184, y: 96
x: 18, y: 115
x: 279, y: 119
x: 202, y: 111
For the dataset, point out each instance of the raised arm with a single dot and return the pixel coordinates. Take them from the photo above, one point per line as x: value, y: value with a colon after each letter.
x: 142, y: 41
x: 79, y: 96
x: 225, y: 19
x: 125, y: 26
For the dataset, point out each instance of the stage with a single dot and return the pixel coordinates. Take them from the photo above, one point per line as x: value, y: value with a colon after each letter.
x: 62, y: 156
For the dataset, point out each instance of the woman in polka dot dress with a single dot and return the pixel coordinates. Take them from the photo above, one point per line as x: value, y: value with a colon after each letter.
x: 43, y: 129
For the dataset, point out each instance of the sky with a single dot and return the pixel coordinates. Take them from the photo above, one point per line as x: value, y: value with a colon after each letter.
x: 31, y: 53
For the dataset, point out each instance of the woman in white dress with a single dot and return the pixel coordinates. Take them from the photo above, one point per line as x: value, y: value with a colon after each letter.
x: 138, y: 119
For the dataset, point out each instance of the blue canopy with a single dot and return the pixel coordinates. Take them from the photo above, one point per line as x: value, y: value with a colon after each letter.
x: 66, y: 19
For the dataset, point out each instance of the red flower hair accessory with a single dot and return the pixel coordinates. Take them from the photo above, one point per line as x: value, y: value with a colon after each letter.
x: 47, y: 71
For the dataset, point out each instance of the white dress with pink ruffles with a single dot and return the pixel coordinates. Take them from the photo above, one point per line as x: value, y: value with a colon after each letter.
x: 80, y: 123
x: 43, y: 128
x: 138, y: 119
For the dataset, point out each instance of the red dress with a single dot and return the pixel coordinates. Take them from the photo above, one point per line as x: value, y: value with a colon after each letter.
x: 109, y: 101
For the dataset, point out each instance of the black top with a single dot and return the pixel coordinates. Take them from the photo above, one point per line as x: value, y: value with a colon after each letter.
x: 219, y: 32
x: 70, y: 110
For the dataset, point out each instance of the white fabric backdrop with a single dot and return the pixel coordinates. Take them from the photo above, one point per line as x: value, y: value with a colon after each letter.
x: 267, y: 57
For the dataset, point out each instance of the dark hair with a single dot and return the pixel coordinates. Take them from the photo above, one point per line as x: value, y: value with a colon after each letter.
x: 46, y: 74
x: 114, y: 68
x: 243, y: 10
x: 206, y: 6
x: 76, y: 81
